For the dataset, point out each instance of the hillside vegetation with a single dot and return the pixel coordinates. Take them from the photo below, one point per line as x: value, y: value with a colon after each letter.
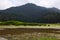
x: 31, y: 13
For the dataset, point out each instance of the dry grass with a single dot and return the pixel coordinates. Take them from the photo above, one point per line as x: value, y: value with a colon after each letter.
x: 31, y: 36
x: 12, y: 26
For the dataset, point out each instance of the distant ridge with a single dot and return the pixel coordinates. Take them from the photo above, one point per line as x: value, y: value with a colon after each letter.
x: 31, y: 13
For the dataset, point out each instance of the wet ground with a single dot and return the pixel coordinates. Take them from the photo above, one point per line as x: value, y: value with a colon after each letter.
x: 24, y: 33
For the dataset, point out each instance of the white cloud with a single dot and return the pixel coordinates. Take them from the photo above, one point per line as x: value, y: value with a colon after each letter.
x: 56, y: 4
x: 18, y: 2
x: 5, y: 4
x: 46, y: 3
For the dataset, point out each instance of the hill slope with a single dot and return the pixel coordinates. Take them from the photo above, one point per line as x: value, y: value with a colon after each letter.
x: 31, y: 13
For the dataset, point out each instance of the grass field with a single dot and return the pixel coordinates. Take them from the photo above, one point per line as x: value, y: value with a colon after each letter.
x: 29, y: 36
x: 32, y: 26
x: 18, y: 23
x: 12, y: 26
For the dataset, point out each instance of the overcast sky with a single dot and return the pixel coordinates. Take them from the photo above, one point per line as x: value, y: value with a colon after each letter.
x: 45, y: 3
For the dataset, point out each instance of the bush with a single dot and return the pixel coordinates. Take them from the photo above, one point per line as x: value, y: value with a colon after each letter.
x: 44, y: 24
x: 11, y: 23
x: 48, y: 25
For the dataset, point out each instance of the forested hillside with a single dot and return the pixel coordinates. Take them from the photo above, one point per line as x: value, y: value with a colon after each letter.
x: 31, y: 13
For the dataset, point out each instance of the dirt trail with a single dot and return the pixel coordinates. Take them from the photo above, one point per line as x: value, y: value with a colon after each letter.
x: 28, y: 30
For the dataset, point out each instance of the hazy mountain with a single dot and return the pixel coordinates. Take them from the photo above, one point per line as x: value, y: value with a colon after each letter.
x: 30, y: 13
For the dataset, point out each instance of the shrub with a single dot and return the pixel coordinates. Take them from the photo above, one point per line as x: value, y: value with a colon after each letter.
x: 48, y: 25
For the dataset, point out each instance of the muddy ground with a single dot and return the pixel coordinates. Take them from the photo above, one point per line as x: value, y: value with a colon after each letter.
x: 21, y: 33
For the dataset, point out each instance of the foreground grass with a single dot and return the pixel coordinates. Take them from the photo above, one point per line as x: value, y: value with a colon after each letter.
x: 31, y: 36
x: 12, y: 26
x: 47, y: 38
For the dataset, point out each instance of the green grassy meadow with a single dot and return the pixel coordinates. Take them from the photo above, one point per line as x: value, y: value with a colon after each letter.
x: 18, y: 24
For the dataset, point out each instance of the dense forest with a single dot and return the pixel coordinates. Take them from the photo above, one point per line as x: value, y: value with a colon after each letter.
x: 31, y: 13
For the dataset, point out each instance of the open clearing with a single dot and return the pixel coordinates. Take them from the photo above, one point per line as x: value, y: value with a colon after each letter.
x: 11, y: 26
x: 12, y: 32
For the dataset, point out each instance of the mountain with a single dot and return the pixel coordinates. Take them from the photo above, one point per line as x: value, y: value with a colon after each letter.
x: 31, y: 13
